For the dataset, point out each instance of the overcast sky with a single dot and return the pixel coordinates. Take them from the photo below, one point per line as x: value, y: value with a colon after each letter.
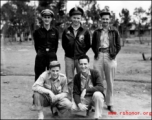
x: 115, y: 6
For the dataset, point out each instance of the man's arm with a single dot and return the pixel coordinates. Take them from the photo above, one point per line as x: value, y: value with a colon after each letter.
x: 87, y: 41
x: 76, y: 90
x: 57, y: 42
x: 36, y: 40
x: 118, y: 43
x: 64, y: 40
x: 94, y: 43
x: 38, y: 86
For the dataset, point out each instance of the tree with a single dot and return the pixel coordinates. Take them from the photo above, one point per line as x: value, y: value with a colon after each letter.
x: 93, y: 12
x: 19, y: 17
x: 58, y: 7
x: 149, y: 13
x: 139, y: 12
x: 125, y: 24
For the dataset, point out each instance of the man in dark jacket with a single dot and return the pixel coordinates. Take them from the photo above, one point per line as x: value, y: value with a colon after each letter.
x: 88, y: 89
x: 45, y: 43
x: 75, y: 42
x: 106, y: 46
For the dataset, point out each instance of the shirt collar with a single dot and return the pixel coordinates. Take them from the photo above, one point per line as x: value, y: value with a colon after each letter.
x: 82, y: 76
x: 80, y: 27
x: 45, y: 28
x: 103, y: 29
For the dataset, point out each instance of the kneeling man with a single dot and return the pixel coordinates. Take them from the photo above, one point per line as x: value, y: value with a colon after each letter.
x: 88, y: 89
x: 50, y: 89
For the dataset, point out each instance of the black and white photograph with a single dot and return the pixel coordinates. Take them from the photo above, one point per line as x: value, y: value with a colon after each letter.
x: 82, y: 59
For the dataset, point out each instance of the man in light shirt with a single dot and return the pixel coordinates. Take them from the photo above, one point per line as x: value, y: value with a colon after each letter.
x: 106, y: 45
x: 88, y: 89
x: 50, y: 89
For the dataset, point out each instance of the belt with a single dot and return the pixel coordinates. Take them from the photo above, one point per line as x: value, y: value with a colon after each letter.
x: 47, y: 50
x: 103, y: 50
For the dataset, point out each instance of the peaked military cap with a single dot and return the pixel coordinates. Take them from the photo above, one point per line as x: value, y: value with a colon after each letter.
x: 76, y: 11
x: 104, y: 12
x: 47, y: 12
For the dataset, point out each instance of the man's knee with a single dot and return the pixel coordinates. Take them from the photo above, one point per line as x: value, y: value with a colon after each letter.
x: 37, y: 95
x: 98, y: 95
x: 66, y: 103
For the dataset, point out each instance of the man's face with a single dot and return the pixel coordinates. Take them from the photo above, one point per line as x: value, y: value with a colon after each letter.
x: 76, y: 19
x: 84, y: 65
x: 54, y: 72
x: 46, y: 19
x: 105, y: 20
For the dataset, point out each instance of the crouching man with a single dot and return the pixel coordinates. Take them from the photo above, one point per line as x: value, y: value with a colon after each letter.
x: 88, y: 89
x: 50, y: 89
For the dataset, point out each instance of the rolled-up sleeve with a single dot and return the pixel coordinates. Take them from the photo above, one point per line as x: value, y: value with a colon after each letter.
x: 38, y: 86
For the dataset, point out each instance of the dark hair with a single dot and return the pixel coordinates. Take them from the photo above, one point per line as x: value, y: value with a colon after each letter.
x: 105, y: 13
x: 84, y: 57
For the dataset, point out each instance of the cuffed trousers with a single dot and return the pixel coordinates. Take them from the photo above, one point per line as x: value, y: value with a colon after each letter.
x: 43, y: 100
x: 97, y: 100
x: 70, y: 66
x: 106, y: 67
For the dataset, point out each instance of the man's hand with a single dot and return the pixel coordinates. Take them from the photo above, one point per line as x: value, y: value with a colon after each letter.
x: 47, y: 86
x: 83, y: 107
x: 83, y: 94
x: 52, y: 96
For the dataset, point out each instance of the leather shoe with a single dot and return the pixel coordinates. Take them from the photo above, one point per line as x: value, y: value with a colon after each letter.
x: 110, y: 108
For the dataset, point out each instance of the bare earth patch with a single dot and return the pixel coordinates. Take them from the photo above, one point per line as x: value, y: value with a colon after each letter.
x: 132, y: 86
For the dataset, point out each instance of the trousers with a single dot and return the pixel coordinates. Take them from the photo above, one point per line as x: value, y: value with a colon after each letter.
x: 70, y: 66
x: 106, y: 68
x: 97, y: 100
x: 44, y: 100
x: 42, y: 62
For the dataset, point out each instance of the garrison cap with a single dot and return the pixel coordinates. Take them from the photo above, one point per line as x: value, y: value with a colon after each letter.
x: 76, y: 11
x: 54, y: 64
x: 47, y: 12
x: 104, y: 12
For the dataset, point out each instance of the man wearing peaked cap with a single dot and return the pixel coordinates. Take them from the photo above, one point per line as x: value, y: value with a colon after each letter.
x: 104, y: 12
x: 51, y: 90
x: 75, y: 42
x: 47, y: 12
x: 76, y: 11
x: 106, y: 45
x: 46, y: 44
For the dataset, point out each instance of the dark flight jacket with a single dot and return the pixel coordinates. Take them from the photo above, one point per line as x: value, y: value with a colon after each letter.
x: 114, y: 42
x: 73, y: 46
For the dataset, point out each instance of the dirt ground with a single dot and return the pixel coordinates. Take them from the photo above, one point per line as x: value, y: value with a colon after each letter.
x: 132, y: 86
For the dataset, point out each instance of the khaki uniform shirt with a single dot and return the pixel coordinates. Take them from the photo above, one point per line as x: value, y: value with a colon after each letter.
x: 56, y: 86
x: 104, y: 39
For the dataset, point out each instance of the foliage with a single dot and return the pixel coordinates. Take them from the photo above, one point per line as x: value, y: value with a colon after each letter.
x: 94, y: 12
x: 18, y: 16
x: 58, y: 7
x: 125, y: 23
x: 139, y: 12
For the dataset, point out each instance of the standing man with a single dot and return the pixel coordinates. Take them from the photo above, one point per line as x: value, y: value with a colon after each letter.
x: 106, y: 46
x: 88, y: 89
x: 75, y: 42
x: 51, y: 89
x: 45, y: 43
